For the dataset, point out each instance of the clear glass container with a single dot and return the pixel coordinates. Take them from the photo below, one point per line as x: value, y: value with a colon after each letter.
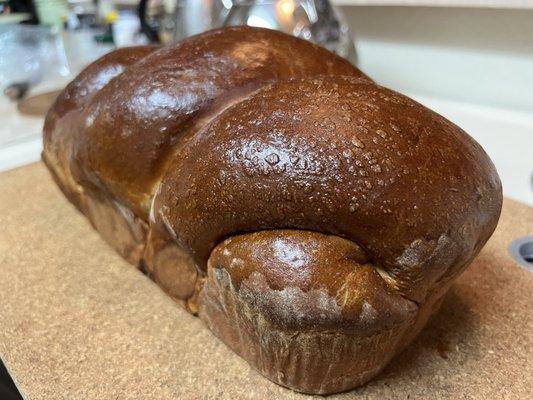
x: 31, y: 53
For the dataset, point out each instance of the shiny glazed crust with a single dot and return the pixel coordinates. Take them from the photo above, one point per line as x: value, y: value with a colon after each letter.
x: 313, y: 219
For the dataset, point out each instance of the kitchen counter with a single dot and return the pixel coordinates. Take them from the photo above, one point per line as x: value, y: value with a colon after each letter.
x: 20, y: 136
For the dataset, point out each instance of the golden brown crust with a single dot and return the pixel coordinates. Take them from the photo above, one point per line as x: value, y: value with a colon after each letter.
x: 186, y: 81
x: 117, y: 225
x: 62, y: 125
x: 308, y: 281
x: 343, y: 156
x: 170, y: 266
x: 62, y: 136
x: 313, y: 219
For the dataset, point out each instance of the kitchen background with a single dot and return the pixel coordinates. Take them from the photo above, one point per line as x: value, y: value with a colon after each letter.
x: 470, y: 60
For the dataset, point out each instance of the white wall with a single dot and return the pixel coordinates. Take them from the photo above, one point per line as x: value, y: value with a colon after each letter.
x: 482, y: 56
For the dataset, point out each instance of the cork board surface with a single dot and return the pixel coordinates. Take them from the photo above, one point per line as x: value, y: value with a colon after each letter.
x: 78, y: 322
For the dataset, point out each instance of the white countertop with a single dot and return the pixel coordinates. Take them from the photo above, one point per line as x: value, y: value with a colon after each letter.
x: 20, y: 136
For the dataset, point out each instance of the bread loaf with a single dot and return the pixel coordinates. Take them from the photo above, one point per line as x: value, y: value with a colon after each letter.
x: 312, y: 218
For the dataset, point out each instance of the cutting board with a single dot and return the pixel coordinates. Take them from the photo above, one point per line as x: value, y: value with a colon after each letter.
x: 78, y: 322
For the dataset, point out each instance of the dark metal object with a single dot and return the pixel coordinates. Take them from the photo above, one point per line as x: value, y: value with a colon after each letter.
x: 17, y: 90
x: 146, y: 28
x: 521, y: 250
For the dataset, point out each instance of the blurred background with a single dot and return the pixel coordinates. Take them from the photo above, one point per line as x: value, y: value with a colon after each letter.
x: 470, y: 60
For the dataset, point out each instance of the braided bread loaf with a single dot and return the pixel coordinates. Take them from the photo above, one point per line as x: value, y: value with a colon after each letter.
x: 313, y: 219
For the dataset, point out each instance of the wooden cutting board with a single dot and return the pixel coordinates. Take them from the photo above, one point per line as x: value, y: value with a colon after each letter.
x: 77, y: 322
